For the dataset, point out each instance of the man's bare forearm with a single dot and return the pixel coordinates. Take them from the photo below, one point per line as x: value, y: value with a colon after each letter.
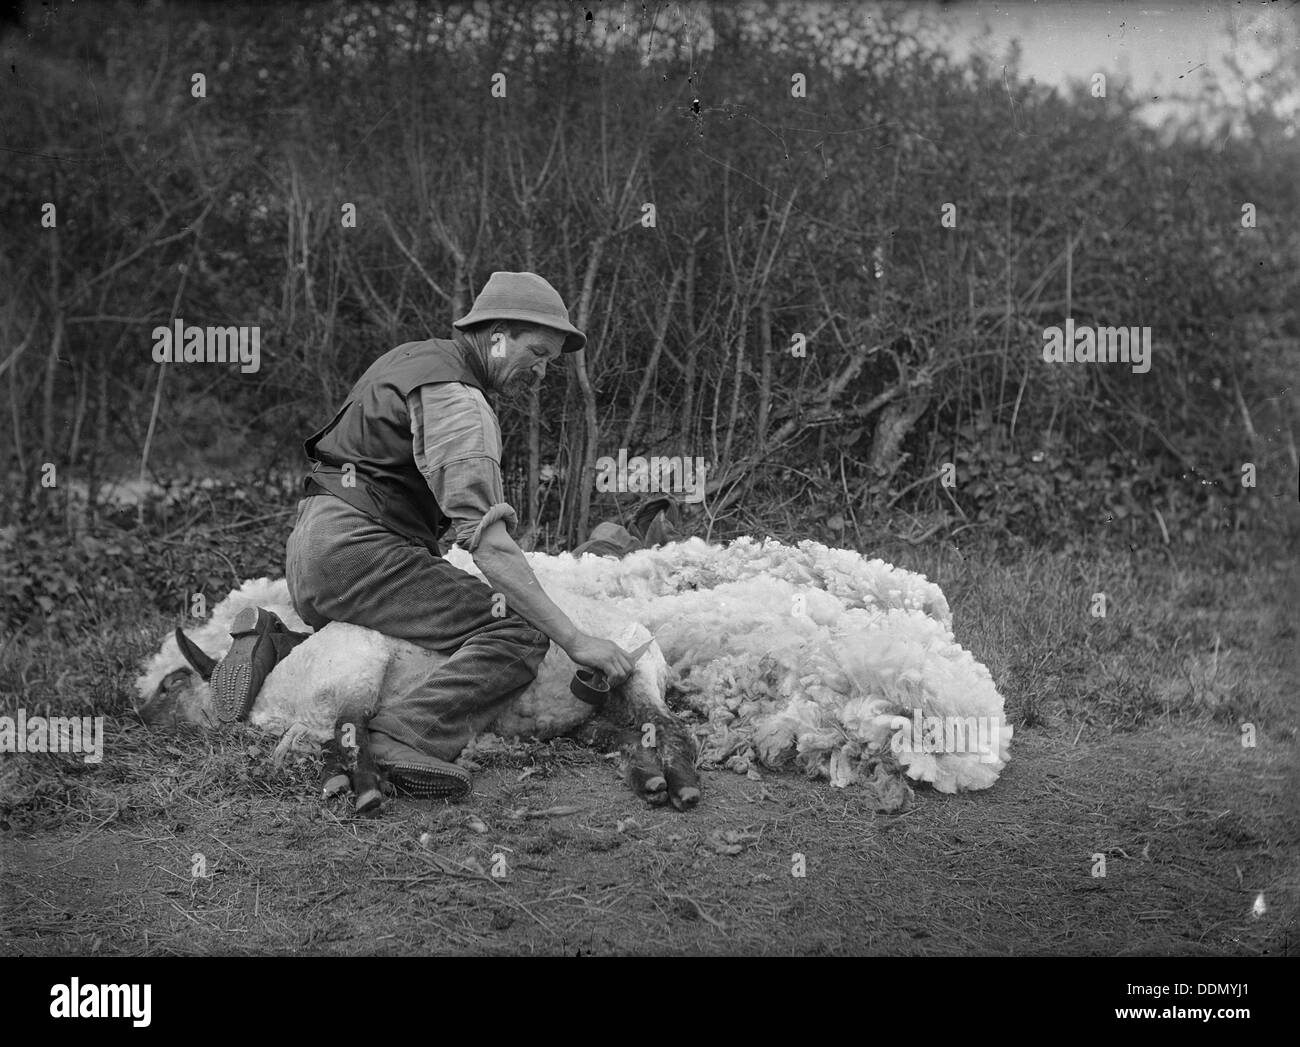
x: 504, y: 566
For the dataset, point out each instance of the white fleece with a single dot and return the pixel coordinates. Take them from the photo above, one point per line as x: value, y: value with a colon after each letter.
x: 785, y: 654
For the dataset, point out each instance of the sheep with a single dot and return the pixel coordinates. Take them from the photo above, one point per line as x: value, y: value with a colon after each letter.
x: 780, y: 654
x: 336, y: 680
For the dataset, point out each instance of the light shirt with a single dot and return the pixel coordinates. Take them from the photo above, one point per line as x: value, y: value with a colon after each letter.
x: 457, y: 443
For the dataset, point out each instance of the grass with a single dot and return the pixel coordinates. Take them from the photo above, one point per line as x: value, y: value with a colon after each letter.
x: 1128, y: 747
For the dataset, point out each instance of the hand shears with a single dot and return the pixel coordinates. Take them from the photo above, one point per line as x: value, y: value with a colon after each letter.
x: 591, y: 686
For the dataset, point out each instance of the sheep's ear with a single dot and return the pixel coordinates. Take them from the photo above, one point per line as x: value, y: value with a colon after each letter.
x: 202, y: 662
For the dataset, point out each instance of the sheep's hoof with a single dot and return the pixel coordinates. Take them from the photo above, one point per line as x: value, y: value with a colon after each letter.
x: 368, y: 802
x: 332, y: 785
x: 678, y: 756
x: 645, y: 776
x: 369, y: 789
x: 654, y: 790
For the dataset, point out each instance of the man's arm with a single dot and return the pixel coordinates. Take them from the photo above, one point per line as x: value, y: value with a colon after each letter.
x: 457, y: 446
x: 503, y: 564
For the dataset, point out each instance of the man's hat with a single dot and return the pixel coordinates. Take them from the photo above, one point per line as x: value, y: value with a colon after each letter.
x: 527, y: 297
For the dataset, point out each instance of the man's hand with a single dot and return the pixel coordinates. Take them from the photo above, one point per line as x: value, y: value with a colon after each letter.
x: 605, y: 655
x: 505, y: 568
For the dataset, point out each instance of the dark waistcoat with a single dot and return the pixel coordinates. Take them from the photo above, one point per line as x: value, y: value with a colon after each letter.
x: 364, y: 455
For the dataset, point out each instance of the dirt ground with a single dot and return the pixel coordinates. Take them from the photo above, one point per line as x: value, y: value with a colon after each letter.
x: 552, y: 855
x: 1127, y: 747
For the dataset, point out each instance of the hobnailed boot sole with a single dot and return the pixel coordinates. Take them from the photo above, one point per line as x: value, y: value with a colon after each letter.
x: 429, y: 783
x: 233, y: 690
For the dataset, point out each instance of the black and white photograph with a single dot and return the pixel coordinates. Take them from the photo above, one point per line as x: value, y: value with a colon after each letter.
x: 768, y: 478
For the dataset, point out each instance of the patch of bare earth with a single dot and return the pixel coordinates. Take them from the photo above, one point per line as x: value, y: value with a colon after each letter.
x: 1195, y: 829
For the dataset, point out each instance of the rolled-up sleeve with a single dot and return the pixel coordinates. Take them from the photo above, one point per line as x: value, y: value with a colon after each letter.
x: 457, y: 445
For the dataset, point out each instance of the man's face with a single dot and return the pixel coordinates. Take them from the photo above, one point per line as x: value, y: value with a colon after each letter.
x: 515, y: 363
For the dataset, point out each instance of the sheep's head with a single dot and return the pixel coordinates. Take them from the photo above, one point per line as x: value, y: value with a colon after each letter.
x: 182, y: 695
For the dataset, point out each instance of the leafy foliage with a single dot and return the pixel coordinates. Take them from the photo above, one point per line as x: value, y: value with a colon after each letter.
x: 70, y: 569
x: 777, y: 216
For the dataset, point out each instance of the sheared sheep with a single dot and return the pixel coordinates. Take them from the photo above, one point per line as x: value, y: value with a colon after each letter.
x: 781, y: 653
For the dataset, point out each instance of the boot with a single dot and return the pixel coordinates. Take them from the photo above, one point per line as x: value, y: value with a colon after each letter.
x: 261, y: 640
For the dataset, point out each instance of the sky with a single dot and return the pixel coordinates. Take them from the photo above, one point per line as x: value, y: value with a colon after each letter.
x: 1145, y: 49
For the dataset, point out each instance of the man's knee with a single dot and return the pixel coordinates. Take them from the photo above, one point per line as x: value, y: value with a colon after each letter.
x: 301, y: 595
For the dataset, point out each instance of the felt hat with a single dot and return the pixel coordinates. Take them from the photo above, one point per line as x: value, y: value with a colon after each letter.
x: 526, y: 297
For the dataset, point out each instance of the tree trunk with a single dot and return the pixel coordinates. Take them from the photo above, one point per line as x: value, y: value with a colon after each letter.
x: 52, y: 359
x: 78, y: 416
x: 741, y: 338
x: 647, y: 379
x: 528, y: 535
x: 692, y: 351
x: 765, y: 376
x: 586, y: 440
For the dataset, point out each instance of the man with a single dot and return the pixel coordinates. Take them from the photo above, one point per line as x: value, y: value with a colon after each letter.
x: 414, y: 447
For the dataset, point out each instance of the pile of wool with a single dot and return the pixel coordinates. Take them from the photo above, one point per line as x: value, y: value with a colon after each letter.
x: 827, y: 688
x: 694, y: 564
x: 800, y: 653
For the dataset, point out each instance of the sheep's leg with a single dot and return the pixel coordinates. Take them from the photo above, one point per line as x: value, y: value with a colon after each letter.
x: 674, y: 752
x: 677, y: 755
x: 656, y: 752
x: 661, y: 740
x: 638, y: 762
x: 288, y: 740
x: 352, y: 735
x: 334, y: 776
x: 367, y: 782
